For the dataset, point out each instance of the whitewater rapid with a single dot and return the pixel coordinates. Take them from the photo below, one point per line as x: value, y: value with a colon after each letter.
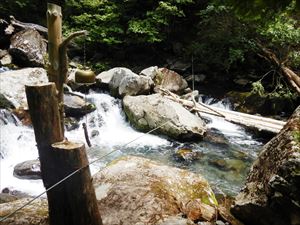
x: 111, y: 132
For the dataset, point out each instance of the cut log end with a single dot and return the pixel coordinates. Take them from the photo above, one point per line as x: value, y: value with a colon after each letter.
x: 68, y: 145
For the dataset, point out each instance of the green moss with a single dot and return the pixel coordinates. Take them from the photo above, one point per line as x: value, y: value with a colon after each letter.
x: 296, y: 136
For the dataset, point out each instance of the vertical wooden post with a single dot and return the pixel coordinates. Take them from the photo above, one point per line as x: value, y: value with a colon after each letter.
x: 43, y: 108
x: 57, y: 49
x: 73, y: 202
x: 54, y: 22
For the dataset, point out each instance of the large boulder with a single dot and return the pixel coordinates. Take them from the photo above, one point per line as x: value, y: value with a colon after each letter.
x: 149, y: 112
x: 28, y: 48
x: 12, y: 84
x: 272, y: 191
x: 134, y: 190
x: 170, y: 80
x: 123, y: 81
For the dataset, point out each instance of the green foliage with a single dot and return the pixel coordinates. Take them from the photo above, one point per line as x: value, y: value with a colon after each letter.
x: 296, y: 136
x: 37, y: 9
x: 258, y: 88
x: 101, y: 18
x: 222, y: 41
x: 121, y: 22
x: 259, y: 9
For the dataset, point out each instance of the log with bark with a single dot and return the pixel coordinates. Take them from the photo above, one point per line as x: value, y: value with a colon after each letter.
x: 251, y: 121
x: 17, y: 23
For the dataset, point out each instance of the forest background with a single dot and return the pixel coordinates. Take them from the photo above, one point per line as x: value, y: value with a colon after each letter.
x: 224, y: 40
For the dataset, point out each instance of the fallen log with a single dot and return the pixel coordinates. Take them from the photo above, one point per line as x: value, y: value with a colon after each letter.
x: 23, y: 25
x: 258, y: 122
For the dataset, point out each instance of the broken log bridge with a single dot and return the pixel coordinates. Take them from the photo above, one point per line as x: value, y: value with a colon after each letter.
x: 252, y: 121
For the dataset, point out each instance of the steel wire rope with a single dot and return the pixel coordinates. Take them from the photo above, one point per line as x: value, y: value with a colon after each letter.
x: 78, y: 170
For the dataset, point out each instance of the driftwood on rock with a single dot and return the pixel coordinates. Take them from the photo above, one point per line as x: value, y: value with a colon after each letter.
x: 23, y: 25
x: 258, y: 122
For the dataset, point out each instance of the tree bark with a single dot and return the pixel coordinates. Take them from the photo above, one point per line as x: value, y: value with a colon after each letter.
x: 74, y: 201
x: 43, y: 108
x: 37, y: 27
x: 58, y: 60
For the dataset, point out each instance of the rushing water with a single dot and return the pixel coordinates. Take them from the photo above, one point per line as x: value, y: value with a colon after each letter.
x: 224, y: 164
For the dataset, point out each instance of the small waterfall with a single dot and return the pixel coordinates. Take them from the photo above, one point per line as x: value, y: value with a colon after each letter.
x: 109, y: 130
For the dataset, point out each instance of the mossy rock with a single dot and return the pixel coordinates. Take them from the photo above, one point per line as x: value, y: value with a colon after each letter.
x: 135, y: 190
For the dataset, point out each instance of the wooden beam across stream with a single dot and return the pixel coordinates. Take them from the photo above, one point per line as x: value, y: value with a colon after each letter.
x: 252, y: 121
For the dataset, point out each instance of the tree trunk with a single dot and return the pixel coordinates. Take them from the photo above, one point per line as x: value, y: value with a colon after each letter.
x: 58, y: 60
x: 54, y: 23
x: 43, y: 108
x: 73, y: 202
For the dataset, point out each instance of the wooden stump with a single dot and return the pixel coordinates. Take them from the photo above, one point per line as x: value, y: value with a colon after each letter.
x: 74, y: 201
x: 43, y: 108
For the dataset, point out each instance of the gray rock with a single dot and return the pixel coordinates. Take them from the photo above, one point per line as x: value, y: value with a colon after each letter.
x: 71, y: 123
x: 149, y: 72
x: 4, y: 197
x: 272, y: 194
x: 134, y: 190
x: 12, y: 84
x: 125, y: 82
x: 6, y: 60
x: 30, y: 170
x: 3, y: 53
x: 198, y: 78
x: 28, y: 48
x: 148, y: 112
x: 76, y: 106
x: 106, y: 76
x: 170, y: 80
x: 176, y: 220
x: 180, y: 66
